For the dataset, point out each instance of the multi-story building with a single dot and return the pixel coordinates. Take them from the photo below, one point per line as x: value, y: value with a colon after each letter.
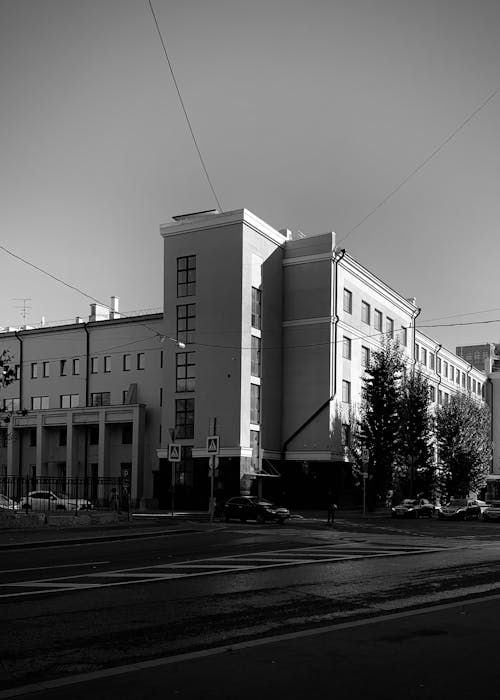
x: 263, y: 341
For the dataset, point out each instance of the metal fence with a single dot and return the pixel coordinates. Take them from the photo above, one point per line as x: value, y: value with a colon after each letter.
x: 26, y: 493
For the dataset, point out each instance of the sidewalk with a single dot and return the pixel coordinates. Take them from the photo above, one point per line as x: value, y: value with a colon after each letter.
x: 143, y: 524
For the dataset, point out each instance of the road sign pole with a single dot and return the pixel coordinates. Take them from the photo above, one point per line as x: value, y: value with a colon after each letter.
x: 172, y: 504
x: 212, y: 477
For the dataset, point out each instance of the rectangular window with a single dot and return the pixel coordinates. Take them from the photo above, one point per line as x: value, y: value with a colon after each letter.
x: 365, y: 312
x: 255, y: 357
x: 141, y: 360
x: 438, y: 365
x: 107, y: 363
x: 463, y: 380
x: 417, y: 352
x: 474, y: 385
x: 457, y: 377
x: 161, y: 359
x: 255, y: 404
x: 127, y: 363
x: 70, y: 400
x: 365, y: 356
x: 440, y: 397
x: 63, y: 437
x: 346, y: 391
x: 94, y: 365
x: 186, y: 276
x: 423, y: 357
x: 346, y: 348
x: 431, y: 360
x: 46, y: 369
x: 404, y: 336
x: 34, y: 370
x: 62, y: 367
x: 256, y: 308
x: 93, y: 433
x: 346, y: 435
x: 389, y: 327
x: 11, y: 405
x: 377, y: 320
x: 445, y: 369
x: 161, y: 396
x: 185, y: 371
x: 347, y: 301
x: 127, y: 434
x: 76, y: 365
x: 446, y: 398
x: 432, y: 393
x: 186, y: 322
x: 32, y: 437
x: 100, y: 398
x: 124, y: 396
x: 39, y: 403
x: 451, y: 372
x: 184, y: 418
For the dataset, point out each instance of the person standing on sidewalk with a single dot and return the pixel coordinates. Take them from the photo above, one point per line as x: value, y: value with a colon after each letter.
x: 332, y: 507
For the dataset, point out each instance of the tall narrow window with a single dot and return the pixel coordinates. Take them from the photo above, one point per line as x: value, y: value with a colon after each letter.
x: 46, y: 369
x: 107, y: 363
x: 346, y: 348
x: 431, y: 360
x: 256, y: 308
x: 76, y: 365
x: 347, y: 301
x: 186, y: 276
x: 377, y: 320
x: 365, y: 356
x: 255, y: 404
x: 185, y: 371
x: 389, y: 327
x: 186, y: 322
x: 255, y: 357
x: 365, y: 312
x: 184, y: 418
x: 423, y: 356
x: 62, y: 367
x: 346, y: 391
x: 404, y: 336
x: 141, y: 360
x: 127, y: 363
x: 34, y: 370
x: 94, y: 365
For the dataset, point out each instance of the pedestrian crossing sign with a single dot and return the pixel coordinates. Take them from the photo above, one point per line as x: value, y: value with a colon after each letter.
x: 213, y: 444
x: 174, y: 452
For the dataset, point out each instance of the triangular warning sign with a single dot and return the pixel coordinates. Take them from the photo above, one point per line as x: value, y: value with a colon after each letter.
x: 213, y: 444
x: 174, y: 453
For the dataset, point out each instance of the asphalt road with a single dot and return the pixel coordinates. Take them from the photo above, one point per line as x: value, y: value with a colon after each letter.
x: 82, y: 608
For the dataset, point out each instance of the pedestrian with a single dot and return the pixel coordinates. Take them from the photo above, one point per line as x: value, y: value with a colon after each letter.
x: 332, y: 507
x: 114, y: 500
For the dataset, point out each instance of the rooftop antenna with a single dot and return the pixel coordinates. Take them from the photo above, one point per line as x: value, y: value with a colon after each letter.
x: 25, y: 307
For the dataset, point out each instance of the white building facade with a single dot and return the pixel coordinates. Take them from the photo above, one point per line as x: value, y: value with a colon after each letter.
x: 263, y: 341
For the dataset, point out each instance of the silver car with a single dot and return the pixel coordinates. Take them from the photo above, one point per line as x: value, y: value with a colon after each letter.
x: 48, y: 500
x: 491, y: 512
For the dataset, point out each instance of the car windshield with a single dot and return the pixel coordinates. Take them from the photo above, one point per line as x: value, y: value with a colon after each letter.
x: 458, y: 502
x: 263, y: 502
x: 408, y: 502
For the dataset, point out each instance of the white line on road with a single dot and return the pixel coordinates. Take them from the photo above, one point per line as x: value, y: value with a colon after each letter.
x: 55, y: 566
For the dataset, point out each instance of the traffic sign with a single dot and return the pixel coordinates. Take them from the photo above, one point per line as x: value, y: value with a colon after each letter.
x: 365, y: 455
x: 174, y: 452
x: 213, y: 444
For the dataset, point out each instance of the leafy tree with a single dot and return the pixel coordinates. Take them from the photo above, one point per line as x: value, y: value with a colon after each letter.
x: 7, y: 376
x: 464, y: 443
x: 379, y: 420
x: 416, y: 472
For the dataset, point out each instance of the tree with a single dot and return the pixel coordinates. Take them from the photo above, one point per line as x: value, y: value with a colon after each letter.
x: 7, y: 376
x: 379, y: 420
x: 464, y: 444
x: 416, y: 472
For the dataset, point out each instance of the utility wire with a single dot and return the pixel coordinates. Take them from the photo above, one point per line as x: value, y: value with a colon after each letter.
x: 184, y: 107
x: 423, y: 163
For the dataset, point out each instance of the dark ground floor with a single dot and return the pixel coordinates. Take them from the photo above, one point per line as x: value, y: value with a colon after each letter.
x: 294, y: 484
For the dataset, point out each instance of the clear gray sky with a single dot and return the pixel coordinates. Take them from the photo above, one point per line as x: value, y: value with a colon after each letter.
x: 307, y: 113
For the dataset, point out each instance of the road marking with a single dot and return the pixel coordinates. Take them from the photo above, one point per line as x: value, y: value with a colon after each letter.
x: 236, y: 563
x: 237, y: 646
x: 55, y: 566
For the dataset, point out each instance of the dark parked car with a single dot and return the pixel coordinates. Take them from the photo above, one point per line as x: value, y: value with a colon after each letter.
x: 413, y: 508
x: 491, y: 512
x: 245, y: 508
x: 462, y: 509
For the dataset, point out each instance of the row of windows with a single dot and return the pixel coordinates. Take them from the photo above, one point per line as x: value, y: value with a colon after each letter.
x: 92, y: 435
x: 378, y: 317
x: 447, y: 370
x: 94, y: 365
x: 347, y: 352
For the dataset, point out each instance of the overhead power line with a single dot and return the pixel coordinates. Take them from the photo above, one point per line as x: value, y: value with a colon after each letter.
x: 184, y: 107
x: 422, y: 164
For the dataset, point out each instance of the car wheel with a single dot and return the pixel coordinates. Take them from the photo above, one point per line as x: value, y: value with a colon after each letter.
x: 485, y: 518
x: 417, y: 515
x: 260, y: 518
x: 226, y: 517
x: 431, y: 514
